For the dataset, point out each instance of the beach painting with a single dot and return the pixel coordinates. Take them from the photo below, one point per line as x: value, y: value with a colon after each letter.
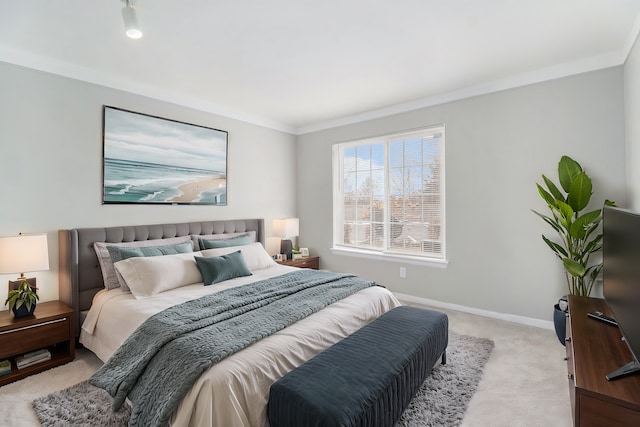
x: 153, y: 160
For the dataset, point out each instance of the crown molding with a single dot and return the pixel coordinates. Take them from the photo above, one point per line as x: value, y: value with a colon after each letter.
x: 73, y: 71
x: 609, y: 60
x: 65, y: 69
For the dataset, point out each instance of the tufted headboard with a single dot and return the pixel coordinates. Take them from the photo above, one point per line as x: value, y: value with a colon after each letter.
x: 80, y: 277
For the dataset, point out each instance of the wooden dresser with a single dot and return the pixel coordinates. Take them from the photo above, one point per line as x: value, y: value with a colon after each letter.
x: 595, y: 349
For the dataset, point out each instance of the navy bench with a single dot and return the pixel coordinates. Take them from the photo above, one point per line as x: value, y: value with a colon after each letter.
x: 368, y: 378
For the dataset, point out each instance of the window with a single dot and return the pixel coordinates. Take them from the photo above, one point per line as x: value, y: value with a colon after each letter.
x: 389, y: 194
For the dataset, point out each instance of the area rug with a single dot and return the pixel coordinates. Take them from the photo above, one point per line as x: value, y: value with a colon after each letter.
x: 444, y: 396
x: 441, y: 401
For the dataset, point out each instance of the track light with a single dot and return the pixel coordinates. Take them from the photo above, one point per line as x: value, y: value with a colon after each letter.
x: 130, y: 21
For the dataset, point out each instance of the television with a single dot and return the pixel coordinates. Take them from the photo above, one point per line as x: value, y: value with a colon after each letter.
x: 621, y: 275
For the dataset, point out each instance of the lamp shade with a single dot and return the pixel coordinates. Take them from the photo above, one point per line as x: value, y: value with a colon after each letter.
x: 286, y: 227
x: 24, y: 253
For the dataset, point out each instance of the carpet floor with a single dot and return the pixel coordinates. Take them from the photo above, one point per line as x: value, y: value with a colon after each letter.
x: 523, y: 384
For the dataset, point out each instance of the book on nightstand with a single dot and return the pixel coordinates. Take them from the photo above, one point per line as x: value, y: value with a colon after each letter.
x: 5, y: 367
x: 32, y: 358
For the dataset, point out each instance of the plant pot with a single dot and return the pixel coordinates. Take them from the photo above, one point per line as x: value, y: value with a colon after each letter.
x: 23, y: 311
x: 560, y: 323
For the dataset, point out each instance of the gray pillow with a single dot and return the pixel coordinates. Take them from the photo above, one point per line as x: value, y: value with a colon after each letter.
x: 221, y: 236
x: 216, y: 269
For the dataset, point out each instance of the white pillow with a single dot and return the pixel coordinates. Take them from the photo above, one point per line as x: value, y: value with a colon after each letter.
x: 109, y: 276
x: 147, y: 276
x: 254, y: 255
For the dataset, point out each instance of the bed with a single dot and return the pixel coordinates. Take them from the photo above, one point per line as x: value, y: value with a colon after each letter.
x: 233, y: 392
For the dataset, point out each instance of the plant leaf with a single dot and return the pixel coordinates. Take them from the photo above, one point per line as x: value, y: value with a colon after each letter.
x: 566, y: 214
x: 551, y: 201
x: 557, y: 194
x: 549, y: 221
x: 559, y: 250
x: 567, y: 170
x: 580, y: 192
x: 580, y: 225
x: 573, y: 267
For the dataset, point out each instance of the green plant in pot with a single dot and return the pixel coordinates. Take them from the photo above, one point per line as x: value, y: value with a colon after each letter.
x: 22, y: 301
x: 579, y: 233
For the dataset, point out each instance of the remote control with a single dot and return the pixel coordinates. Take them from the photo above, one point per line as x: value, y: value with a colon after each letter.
x: 598, y: 315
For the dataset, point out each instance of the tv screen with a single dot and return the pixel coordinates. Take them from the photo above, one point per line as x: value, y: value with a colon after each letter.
x: 621, y: 274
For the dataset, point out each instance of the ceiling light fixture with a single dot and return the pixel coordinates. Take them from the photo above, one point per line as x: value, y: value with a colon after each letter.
x: 130, y: 21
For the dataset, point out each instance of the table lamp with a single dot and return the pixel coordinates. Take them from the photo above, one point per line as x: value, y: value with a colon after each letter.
x: 24, y: 253
x: 286, y: 228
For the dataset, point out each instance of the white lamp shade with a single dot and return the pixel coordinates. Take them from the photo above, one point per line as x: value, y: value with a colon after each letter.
x: 286, y: 227
x: 24, y: 253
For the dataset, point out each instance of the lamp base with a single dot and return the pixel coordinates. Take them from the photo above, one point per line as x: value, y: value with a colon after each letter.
x: 286, y: 247
x: 14, y: 284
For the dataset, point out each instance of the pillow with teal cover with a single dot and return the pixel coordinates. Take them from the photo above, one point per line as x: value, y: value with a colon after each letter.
x: 216, y: 269
x: 120, y: 253
x: 224, y: 243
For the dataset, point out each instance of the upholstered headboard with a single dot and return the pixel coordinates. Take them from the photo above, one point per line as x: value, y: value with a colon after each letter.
x: 80, y: 277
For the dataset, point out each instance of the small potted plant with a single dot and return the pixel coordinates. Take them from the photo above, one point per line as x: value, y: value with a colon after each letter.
x: 22, y: 301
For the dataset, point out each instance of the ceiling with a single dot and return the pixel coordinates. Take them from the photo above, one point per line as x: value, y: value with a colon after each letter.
x: 300, y: 66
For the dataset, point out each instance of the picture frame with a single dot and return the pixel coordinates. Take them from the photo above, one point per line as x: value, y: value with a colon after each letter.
x: 304, y: 252
x: 154, y: 160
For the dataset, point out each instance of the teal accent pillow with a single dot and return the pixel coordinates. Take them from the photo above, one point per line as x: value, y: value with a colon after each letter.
x: 224, y: 243
x: 118, y: 254
x: 216, y: 269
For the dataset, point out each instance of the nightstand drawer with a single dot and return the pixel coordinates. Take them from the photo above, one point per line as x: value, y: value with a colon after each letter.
x: 26, y: 338
x: 307, y: 263
x: 50, y: 327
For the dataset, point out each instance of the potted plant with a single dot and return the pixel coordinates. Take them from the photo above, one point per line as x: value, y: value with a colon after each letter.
x: 579, y: 233
x: 22, y: 301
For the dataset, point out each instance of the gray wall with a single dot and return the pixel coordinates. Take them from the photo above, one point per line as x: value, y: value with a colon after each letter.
x: 497, y: 146
x: 51, y: 163
x: 632, y: 124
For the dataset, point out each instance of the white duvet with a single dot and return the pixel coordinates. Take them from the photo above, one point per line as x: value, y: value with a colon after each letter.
x: 234, y: 392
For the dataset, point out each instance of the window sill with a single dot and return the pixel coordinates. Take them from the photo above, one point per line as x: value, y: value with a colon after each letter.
x: 360, y: 253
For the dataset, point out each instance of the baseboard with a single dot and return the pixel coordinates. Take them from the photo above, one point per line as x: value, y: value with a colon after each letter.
x: 530, y: 321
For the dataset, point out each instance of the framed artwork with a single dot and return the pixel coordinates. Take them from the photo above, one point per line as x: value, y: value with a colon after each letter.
x: 152, y: 160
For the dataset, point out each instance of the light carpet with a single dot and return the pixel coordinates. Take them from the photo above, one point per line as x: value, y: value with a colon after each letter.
x: 441, y: 401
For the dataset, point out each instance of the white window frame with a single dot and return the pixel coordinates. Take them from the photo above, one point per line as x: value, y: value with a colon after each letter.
x: 338, y: 201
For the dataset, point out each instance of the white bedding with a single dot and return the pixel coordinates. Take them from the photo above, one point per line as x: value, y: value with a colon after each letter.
x: 234, y: 392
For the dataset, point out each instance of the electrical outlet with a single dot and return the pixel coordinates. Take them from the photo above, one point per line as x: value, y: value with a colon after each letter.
x: 403, y: 272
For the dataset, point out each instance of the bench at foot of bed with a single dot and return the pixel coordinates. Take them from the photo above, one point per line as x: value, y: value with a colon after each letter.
x: 368, y: 378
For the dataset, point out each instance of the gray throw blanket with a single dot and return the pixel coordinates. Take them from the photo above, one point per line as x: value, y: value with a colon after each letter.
x: 161, y: 360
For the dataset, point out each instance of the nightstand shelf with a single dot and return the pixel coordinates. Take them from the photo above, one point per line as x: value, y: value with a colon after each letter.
x: 312, y: 262
x: 50, y: 327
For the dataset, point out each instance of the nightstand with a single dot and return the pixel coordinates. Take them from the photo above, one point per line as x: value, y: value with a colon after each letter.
x: 50, y: 327
x: 312, y: 262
